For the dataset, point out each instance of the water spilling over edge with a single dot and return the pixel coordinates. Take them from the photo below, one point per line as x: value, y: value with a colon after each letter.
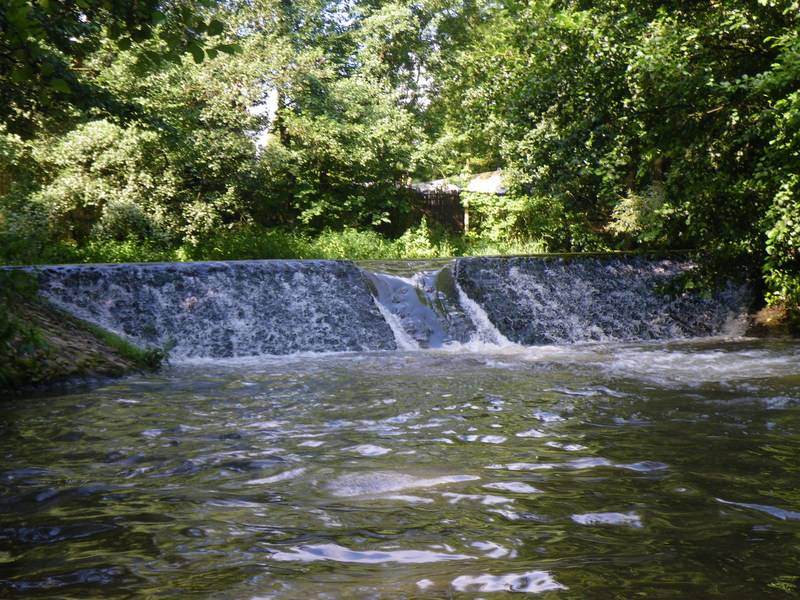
x: 257, y: 308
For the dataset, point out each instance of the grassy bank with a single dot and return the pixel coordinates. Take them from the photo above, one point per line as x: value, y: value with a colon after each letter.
x: 252, y: 242
x: 41, y: 345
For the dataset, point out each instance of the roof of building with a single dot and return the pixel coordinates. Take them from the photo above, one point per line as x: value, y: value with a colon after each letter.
x: 437, y: 185
x: 490, y: 182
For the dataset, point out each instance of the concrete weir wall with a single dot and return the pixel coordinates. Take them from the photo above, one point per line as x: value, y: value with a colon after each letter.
x: 274, y: 307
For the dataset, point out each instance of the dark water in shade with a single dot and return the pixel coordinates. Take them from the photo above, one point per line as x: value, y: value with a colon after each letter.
x: 597, y: 471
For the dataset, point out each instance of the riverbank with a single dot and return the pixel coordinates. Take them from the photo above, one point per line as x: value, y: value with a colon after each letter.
x: 49, y: 347
x: 774, y: 321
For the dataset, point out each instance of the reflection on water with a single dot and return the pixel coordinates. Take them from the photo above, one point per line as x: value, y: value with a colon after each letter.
x: 597, y: 471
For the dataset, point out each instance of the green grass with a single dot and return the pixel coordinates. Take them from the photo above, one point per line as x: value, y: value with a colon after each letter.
x: 149, y: 359
x: 253, y: 242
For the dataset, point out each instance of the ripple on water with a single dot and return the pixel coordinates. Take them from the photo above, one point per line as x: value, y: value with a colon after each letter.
x: 567, y: 447
x: 516, y: 487
x: 773, y: 511
x: 547, y: 417
x: 285, y: 476
x: 337, y: 553
x: 494, y: 550
x: 295, y: 469
x: 583, y: 463
x: 369, y: 450
x: 484, y: 499
x: 493, y: 439
x: 532, y: 582
x: 628, y: 519
x: 533, y: 433
x: 383, y: 482
x: 486, y: 439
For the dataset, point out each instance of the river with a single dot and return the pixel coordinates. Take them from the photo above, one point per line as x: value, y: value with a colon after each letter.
x: 598, y: 470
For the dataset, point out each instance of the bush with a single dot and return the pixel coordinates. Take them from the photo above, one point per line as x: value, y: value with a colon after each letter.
x: 349, y: 244
x: 782, y: 267
x: 640, y: 216
x: 98, y: 169
x: 243, y: 243
x: 518, y: 220
x: 424, y: 241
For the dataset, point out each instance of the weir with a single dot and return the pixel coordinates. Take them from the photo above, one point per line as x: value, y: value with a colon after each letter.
x: 277, y: 307
x: 556, y: 300
x: 226, y: 309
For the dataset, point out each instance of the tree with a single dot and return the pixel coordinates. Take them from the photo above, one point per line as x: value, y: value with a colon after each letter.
x: 44, y: 45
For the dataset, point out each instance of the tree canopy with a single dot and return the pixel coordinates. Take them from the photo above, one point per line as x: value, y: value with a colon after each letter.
x: 634, y: 125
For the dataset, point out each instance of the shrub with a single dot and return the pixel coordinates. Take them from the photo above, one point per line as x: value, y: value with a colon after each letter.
x: 106, y: 181
x: 516, y: 220
x: 782, y: 267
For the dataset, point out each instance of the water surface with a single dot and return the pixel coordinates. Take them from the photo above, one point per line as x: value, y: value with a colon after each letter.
x: 590, y: 471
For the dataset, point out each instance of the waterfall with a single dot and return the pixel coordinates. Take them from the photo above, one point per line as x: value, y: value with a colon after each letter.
x: 226, y: 309
x: 424, y: 306
x: 485, y: 331
x: 551, y: 300
x: 249, y: 308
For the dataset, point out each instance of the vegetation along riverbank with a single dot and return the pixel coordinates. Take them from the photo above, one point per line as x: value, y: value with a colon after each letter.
x: 269, y: 129
x: 43, y: 346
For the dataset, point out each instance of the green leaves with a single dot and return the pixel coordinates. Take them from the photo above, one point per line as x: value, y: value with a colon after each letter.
x: 618, y: 125
x: 45, y: 45
x: 59, y: 85
x: 215, y: 27
x: 197, y: 52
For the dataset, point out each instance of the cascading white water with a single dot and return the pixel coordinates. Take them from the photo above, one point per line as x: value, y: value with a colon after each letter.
x: 485, y: 331
x: 547, y: 300
x: 241, y: 308
x: 401, y: 337
x: 251, y: 308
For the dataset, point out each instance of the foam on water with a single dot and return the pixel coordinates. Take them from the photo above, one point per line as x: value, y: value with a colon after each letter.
x: 694, y: 365
x: 688, y: 363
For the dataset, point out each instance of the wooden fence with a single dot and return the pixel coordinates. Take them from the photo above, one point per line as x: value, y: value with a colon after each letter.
x: 441, y: 207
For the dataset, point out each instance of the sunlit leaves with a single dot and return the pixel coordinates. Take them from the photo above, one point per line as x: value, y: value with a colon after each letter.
x: 44, y: 45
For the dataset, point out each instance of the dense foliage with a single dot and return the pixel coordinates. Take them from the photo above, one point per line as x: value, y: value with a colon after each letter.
x: 276, y: 128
